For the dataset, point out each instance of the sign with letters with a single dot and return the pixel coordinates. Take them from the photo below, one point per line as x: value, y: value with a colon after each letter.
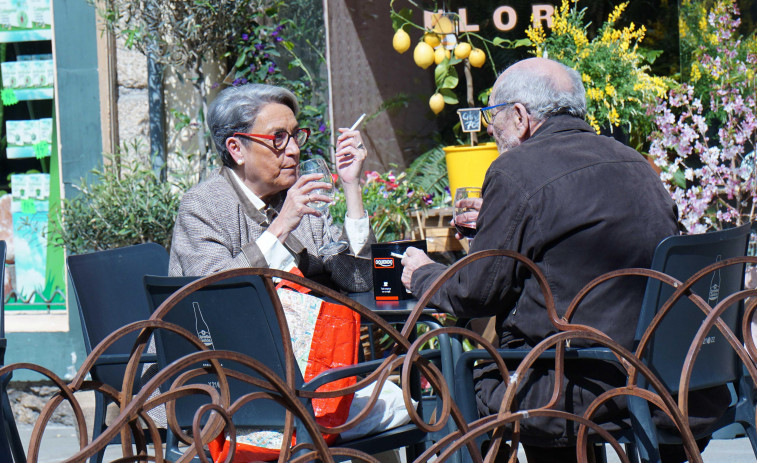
x: 470, y: 119
x: 504, y: 17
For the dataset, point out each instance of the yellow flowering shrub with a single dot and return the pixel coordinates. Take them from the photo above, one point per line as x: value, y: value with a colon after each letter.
x: 614, y: 68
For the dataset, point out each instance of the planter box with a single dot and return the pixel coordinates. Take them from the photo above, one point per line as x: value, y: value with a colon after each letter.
x: 433, y: 226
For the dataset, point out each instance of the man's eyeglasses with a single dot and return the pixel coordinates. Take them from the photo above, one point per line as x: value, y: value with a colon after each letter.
x: 487, y: 113
x: 280, y: 137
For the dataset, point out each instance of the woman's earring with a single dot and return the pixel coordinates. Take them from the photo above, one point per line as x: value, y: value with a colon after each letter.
x: 240, y: 161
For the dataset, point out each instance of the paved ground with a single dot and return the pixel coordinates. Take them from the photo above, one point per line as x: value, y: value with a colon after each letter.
x: 60, y: 441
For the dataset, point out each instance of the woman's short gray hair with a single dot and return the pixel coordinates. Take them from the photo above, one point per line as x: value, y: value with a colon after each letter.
x: 539, y: 93
x: 235, y: 109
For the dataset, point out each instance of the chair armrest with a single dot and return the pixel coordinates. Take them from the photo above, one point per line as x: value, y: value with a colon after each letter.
x: 362, y: 368
x: 463, y: 387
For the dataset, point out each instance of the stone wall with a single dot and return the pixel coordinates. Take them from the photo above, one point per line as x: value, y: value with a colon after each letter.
x: 133, y: 119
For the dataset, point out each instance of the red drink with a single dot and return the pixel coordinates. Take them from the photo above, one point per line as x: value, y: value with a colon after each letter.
x: 466, y: 230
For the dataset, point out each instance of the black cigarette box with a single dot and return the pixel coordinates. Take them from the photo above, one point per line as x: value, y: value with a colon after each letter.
x: 387, y: 269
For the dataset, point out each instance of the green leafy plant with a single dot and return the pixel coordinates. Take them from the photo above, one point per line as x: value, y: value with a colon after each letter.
x: 124, y: 203
x: 388, y: 200
x: 429, y: 173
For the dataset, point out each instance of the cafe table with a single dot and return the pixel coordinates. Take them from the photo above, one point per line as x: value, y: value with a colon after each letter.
x: 396, y: 312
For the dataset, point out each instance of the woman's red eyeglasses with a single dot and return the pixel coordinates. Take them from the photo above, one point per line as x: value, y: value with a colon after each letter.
x: 280, y: 137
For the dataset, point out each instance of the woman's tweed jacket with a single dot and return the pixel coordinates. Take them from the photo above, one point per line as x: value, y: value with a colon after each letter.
x: 217, y: 226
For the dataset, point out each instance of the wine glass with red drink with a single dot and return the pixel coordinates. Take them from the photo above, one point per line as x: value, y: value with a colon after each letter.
x: 465, y: 213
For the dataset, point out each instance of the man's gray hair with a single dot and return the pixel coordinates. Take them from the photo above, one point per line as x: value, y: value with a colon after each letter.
x: 235, y: 109
x: 539, y: 93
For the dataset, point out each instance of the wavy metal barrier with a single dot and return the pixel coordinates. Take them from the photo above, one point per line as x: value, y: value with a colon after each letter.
x: 404, y: 355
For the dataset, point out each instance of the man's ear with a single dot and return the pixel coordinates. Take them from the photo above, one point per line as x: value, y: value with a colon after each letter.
x: 522, y: 121
x: 233, y: 145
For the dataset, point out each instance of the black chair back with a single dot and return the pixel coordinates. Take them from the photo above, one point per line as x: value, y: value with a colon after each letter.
x: 234, y: 314
x: 3, y: 251
x: 681, y: 257
x: 11, y: 448
x: 110, y: 294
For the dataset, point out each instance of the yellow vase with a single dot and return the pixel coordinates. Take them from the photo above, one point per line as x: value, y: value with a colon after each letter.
x: 467, y: 165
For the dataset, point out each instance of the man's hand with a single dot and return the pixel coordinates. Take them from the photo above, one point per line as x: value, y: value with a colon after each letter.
x: 414, y: 259
x: 474, y: 204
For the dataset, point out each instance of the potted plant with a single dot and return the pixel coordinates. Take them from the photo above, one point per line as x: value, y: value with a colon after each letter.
x: 442, y: 43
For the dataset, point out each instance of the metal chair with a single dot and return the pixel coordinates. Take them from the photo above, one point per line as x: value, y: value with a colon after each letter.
x: 240, y: 315
x: 717, y: 363
x: 11, y: 448
x: 110, y: 294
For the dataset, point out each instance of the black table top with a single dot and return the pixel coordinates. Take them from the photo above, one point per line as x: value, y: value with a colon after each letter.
x: 401, y: 307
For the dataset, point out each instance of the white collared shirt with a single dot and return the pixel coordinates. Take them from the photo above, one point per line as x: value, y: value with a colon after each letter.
x: 277, y: 256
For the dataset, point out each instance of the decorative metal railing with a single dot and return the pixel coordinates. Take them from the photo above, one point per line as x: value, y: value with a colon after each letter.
x: 452, y: 432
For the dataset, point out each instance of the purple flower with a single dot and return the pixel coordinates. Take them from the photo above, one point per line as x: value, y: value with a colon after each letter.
x: 259, y: 46
x: 322, y: 128
x: 279, y: 39
x: 271, y: 68
x: 245, y: 37
x: 236, y: 82
x: 252, y: 68
x: 215, y: 85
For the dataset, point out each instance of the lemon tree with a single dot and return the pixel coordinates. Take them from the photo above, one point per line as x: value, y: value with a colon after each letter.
x: 440, y: 46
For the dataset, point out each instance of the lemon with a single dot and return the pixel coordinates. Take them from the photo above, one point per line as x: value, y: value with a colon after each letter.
x: 462, y: 50
x: 436, y: 103
x: 439, y: 55
x: 483, y: 122
x: 431, y: 39
x: 423, y: 55
x: 477, y: 57
x: 401, y: 41
x: 444, y: 25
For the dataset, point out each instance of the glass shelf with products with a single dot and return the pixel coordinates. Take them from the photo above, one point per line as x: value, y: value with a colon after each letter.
x: 25, y: 35
x: 28, y: 94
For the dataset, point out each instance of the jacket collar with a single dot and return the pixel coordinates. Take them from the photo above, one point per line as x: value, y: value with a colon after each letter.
x: 561, y: 123
x: 264, y: 220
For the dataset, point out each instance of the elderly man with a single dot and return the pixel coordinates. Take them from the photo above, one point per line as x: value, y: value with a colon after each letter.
x: 577, y: 204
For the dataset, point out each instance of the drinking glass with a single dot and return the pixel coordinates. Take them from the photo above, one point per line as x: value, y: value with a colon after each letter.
x: 464, y: 215
x: 319, y: 166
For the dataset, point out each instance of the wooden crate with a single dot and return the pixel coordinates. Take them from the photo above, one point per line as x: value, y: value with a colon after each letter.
x: 433, y: 226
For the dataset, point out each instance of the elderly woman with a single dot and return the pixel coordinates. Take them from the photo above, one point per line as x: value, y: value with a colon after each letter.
x: 255, y: 210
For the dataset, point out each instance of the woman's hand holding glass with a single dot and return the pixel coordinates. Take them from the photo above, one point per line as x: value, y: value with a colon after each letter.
x: 320, y: 199
x: 306, y: 190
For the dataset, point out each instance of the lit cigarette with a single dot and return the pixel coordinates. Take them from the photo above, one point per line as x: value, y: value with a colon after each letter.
x: 358, y: 121
x: 398, y: 256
